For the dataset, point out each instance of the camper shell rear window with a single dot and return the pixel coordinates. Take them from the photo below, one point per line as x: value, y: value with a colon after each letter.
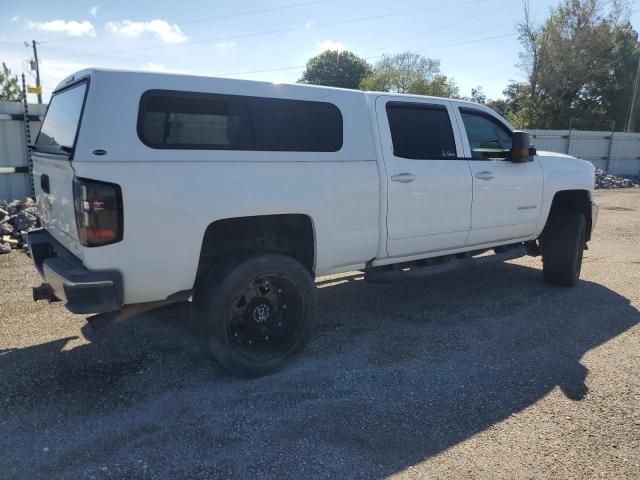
x: 60, y: 127
x: 204, y: 121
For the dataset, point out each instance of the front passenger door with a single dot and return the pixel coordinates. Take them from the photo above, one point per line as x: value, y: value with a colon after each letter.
x: 507, y: 196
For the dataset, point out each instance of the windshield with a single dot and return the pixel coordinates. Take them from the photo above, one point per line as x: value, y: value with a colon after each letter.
x: 58, y: 131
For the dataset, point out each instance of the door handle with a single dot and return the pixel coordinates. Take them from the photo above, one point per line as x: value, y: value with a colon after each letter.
x: 485, y: 175
x: 403, y: 178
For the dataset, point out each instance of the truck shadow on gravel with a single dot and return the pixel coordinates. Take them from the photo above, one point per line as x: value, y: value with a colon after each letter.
x: 394, y: 375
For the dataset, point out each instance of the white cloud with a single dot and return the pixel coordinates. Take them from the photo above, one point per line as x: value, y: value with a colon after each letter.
x: 14, y: 19
x: 309, y: 25
x: 226, y: 44
x: 70, y: 27
x: 94, y: 11
x: 166, y: 32
x: 331, y: 45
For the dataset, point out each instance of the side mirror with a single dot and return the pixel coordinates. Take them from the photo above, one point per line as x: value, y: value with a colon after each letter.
x: 522, y: 151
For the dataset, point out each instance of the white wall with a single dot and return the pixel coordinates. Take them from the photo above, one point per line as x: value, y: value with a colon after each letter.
x: 617, y: 153
x: 13, y: 148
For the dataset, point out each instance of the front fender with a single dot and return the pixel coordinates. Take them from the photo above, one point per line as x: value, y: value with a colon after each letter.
x: 564, y: 173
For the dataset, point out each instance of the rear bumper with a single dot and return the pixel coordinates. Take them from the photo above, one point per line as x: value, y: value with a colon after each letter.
x: 83, y: 290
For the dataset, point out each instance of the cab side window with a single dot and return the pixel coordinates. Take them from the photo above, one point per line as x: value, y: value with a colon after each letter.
x: 488, y: 138
x: 421, y: 131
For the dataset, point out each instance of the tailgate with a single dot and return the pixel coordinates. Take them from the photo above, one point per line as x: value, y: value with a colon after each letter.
x: 53, y: 172
x: 53, y: 181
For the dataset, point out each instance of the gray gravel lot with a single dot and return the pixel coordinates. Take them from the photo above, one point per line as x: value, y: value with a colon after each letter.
x: 486, y: 373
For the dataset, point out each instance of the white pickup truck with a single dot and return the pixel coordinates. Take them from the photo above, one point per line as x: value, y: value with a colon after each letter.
x: 159, y: 188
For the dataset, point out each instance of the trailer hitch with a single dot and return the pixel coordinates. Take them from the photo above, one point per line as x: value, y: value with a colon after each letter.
x: 44, y: 292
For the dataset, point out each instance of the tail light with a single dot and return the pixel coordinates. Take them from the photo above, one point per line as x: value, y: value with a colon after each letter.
x: 98, y: 207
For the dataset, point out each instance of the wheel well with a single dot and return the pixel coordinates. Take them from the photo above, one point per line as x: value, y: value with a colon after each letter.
x: 578, y: 200
x: 291, y: 234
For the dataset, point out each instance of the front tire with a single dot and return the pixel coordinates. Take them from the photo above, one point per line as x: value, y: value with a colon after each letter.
x: 258, y: 312
x: 562, y: 244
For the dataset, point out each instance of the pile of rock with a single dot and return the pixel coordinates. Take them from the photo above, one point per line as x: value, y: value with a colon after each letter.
x: 17, y: 218
x: 606, y: 181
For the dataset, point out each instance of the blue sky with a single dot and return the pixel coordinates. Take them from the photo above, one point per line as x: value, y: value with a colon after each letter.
x: 266, y: 40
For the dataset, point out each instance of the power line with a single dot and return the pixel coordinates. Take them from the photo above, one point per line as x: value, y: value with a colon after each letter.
x: 428, y: 32
x: 397, y: 14
x: 495, y: 37
x: 454, y: 42
x: 251, y: 12
x: 208, y: 19
x: 192, y: 42
x: 451, y: 43
x: 295, y: 67
x: 293, y: 29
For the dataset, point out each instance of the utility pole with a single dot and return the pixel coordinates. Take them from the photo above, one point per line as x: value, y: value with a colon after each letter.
x: 634, y: 102
x: 35, y: 57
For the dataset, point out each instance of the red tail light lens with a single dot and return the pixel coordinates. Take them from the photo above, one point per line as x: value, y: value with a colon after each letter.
x: 98, y: 207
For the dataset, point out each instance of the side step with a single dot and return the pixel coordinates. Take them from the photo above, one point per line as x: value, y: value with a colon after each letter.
x: 431, y: 266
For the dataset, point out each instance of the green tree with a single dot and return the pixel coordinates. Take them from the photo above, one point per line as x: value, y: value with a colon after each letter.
x: 410, y: 73
x: 616, y: 90
x: 478, y: 95
x: 336, y: 69
x: 580, y: 64
x: 9, y: 87
x: 515, y: 106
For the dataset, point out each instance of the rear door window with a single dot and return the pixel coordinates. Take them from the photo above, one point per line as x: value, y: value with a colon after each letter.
x: 60, y: 126
x: 421, y: 131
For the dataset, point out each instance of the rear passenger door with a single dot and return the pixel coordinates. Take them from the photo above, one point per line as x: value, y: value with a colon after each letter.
x: 429, y: 187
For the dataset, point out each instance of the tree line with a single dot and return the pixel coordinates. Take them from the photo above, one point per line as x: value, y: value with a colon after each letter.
x: 582, y: 66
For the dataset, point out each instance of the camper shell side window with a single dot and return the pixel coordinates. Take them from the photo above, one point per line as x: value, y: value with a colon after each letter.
x: 205, y: 121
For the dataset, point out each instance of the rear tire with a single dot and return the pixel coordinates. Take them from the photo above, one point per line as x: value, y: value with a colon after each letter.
x: 257, y: 312
x: 562, y: 244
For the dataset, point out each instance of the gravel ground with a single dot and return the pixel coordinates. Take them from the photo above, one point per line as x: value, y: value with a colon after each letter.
x: 485, y: 373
